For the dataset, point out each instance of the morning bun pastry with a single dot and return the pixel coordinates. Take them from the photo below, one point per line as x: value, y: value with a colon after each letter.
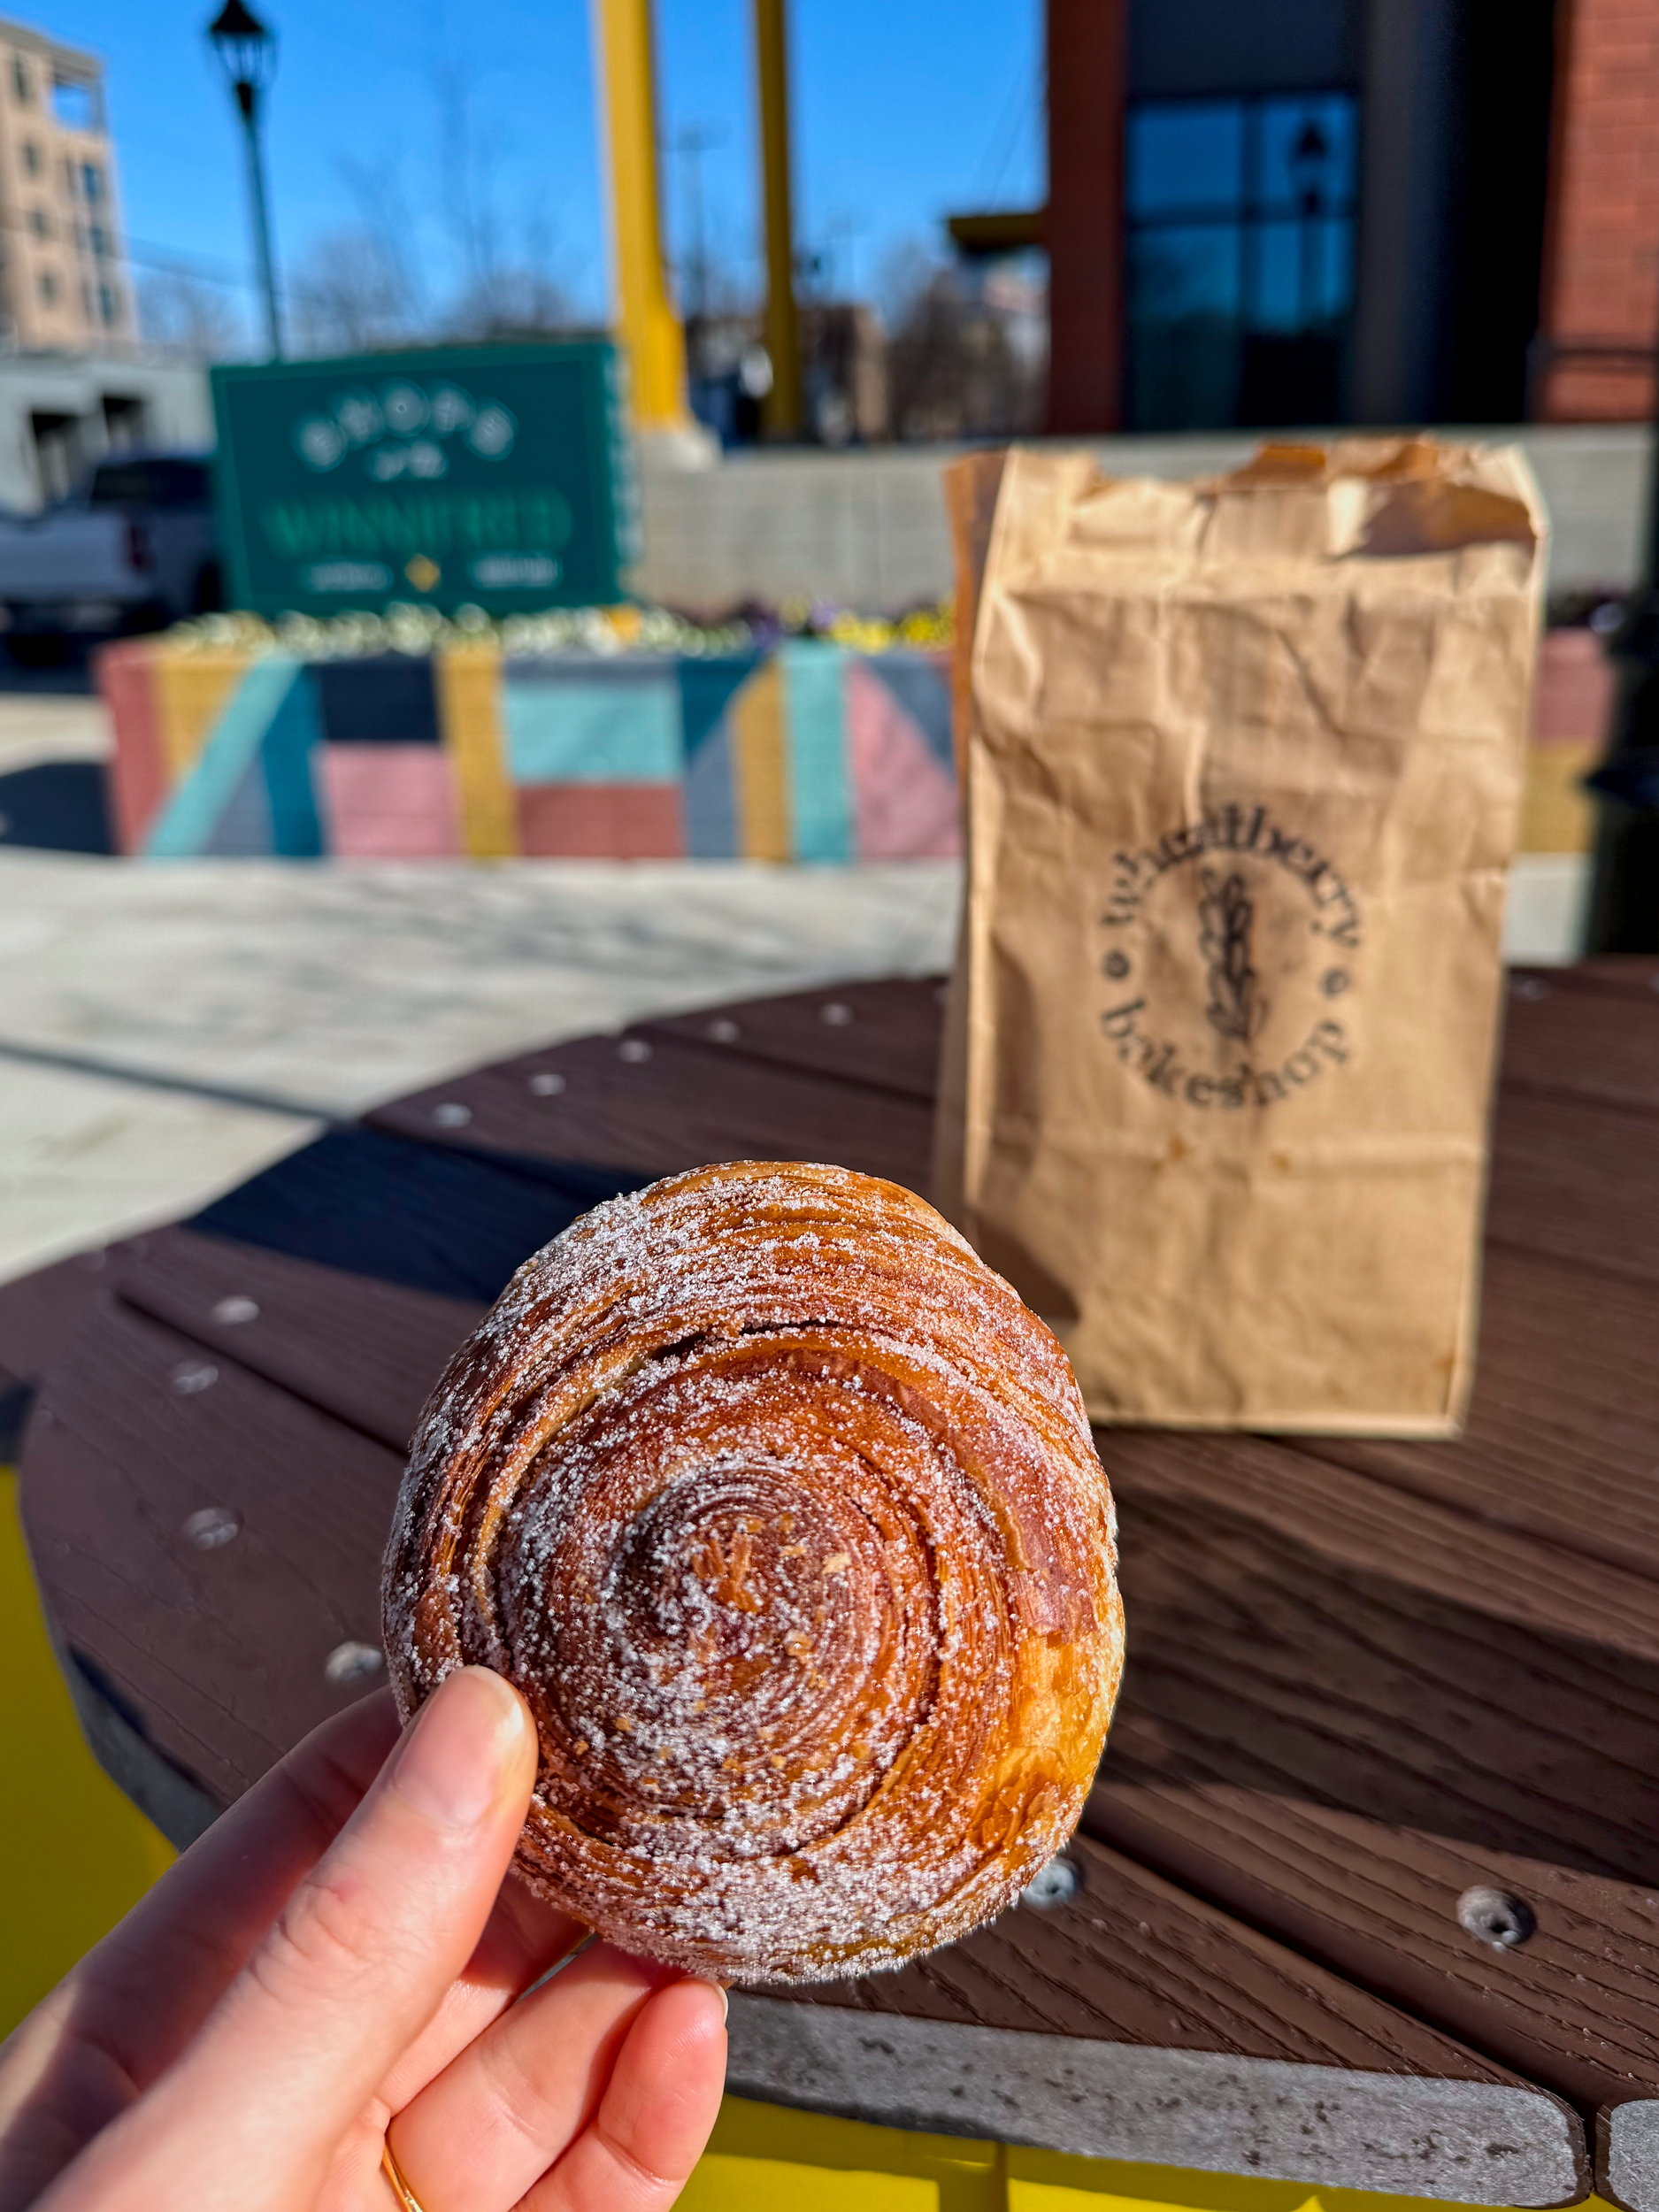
x: 782, y: 1512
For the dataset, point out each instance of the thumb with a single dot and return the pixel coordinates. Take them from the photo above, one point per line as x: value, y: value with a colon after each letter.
x: 356, y: 1964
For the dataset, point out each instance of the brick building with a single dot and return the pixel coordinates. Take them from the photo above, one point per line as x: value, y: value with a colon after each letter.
x: 64, y: 280
x: 1601, y: 282
x: 1361, y: 211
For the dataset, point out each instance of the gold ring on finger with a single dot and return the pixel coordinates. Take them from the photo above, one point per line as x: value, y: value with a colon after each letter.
x: 408, y: 2201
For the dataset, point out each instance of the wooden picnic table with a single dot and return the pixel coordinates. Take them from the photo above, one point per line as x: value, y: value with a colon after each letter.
x: 1387, y: 1705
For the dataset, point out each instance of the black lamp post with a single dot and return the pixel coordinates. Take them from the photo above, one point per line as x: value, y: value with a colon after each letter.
x: 247, y: 53
x: 1309, y: 159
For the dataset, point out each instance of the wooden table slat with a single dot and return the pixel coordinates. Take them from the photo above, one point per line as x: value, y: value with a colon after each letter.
x: 401, y: 1339
x: 1569, y: 1040
x: 683, y: 1106
x: 1345, y: 1705
x: 218, y: 1653
x: 40, y: 1313
x: 1132, y: 1959
x: 1562, y: 1441
x: 1623, y: 972
x: 1577, y: 1179
x: 884, y: 1033
x: 452, y: 1223
x: 1101, y: 1992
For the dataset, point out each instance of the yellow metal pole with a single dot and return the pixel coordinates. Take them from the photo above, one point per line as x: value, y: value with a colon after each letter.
x: 648, y: 325
x: 780, y: 412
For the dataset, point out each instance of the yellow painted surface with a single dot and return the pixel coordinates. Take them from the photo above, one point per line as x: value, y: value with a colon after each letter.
x: 191, y: 691
x: 1043, y: 2181
x: 75, y: 1854
x: 649, y: 327
x: 764, y: 2158
x: 1556, y: 816
x: 469, y: 717
x: 759, y: 765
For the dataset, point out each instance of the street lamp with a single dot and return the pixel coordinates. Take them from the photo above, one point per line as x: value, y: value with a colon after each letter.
x: 247, y: 53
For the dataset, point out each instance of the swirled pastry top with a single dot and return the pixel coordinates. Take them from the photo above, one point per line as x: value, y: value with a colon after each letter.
x: 783, y: 1513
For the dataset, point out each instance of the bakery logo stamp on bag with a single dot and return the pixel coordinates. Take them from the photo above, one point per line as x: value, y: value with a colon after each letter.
x: 1233, y: 939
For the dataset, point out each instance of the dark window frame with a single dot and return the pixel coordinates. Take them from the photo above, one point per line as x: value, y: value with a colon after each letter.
x: 1246, y: 219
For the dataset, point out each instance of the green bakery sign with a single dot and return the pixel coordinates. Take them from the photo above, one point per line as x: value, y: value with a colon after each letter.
x: 490, y: 476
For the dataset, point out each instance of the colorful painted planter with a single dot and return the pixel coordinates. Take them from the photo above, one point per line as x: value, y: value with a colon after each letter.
x: 807, y: 751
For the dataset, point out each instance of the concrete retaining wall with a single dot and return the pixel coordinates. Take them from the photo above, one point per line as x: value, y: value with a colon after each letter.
x: 867, y: 529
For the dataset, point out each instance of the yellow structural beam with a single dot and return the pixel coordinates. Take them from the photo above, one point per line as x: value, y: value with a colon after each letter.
x: 647, y: 324
x: 780, y: 411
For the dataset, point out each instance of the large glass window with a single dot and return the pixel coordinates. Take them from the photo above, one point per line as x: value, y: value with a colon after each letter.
x: 1240, y: 248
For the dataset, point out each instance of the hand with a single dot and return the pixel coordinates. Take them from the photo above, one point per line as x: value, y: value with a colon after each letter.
x: 339, y: 1960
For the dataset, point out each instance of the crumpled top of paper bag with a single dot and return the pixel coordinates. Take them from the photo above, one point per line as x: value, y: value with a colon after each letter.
x: 1382, y: 497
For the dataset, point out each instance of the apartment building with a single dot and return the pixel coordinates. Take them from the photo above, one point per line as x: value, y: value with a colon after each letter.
x: 65, y: 285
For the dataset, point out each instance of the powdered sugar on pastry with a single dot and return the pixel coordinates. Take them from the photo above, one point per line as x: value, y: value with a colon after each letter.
x: 782, y: 1511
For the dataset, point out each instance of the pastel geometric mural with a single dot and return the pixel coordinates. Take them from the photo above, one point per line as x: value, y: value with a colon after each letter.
x: 807, y: 750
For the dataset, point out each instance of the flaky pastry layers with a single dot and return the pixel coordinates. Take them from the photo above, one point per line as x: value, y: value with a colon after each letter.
x: 781, y: 1510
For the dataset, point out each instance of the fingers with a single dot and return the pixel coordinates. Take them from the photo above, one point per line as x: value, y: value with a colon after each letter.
x: 637, y: 2153
x: 129, y: 2008
x: 497, y: 2117
x: 141, y: 1993
x: 356, y: 1966
x: 611, y: 2043
x: 523, y: 1940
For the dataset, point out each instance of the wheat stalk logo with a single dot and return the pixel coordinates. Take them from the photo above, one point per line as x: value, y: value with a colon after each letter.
x: 1225, y: 915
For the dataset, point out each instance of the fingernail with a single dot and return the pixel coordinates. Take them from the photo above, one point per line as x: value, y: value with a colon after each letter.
x: 726, y: 2003
x: 455, y: 1760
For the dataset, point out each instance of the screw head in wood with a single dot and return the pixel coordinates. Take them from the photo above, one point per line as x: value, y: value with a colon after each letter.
x: 452, y: 1114
x: 1495, y: 1916
x: 353, y: 1663
x: 836, y: 1014
x: 1055, y: 1884
x: 548, y: 1083
x: 211, y: 1527
x: 1530, y: 986
x: 635, y: 1050
x: 192, y: 1375
x: 230, y: 1312
x: 725, y: 1031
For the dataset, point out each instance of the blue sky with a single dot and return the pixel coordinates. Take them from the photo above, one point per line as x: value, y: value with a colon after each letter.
x: 903, y: 112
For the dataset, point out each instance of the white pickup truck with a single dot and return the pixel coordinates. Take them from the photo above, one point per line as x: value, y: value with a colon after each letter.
x: 134, y: 549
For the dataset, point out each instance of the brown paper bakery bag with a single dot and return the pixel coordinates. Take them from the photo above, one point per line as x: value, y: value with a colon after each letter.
x: 1244, y: 766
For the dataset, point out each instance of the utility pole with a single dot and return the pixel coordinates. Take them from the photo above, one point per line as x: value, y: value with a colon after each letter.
x: 780, y: 409
x: 691, y: 145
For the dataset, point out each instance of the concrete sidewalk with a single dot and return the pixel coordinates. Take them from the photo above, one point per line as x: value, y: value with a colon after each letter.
x: 43, y: 725
x: 166, y: 1031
